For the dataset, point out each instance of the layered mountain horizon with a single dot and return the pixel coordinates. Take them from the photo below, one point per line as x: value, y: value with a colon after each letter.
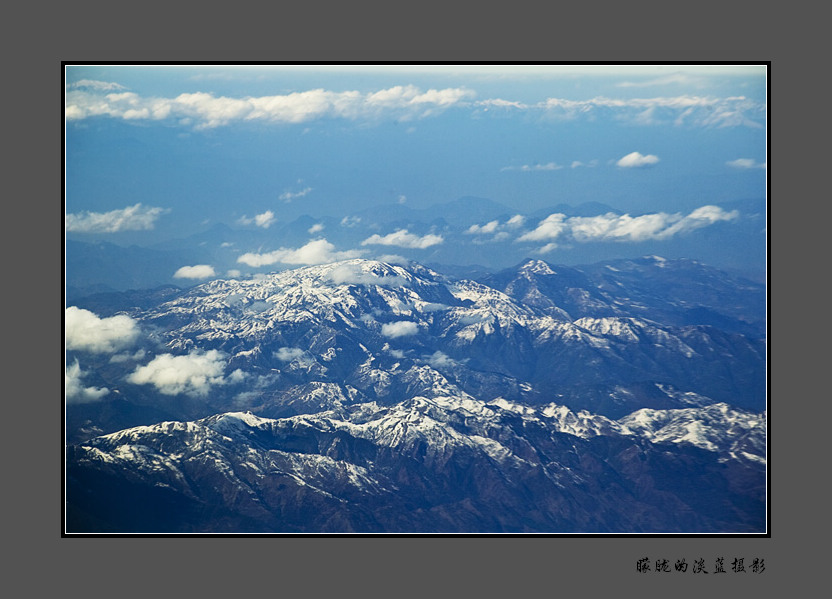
x: 465, y: 237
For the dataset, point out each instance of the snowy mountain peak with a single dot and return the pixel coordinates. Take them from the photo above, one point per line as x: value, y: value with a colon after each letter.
x: 537, y: 267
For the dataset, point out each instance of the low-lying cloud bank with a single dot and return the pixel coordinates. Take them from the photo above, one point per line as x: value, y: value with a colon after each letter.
x: 74, y: 390
x: 85, y: 331
x: 191, y: 374
x: 403, y: 238
x: 318, y: 251
x: 623, y: 227
x: 205, y: 110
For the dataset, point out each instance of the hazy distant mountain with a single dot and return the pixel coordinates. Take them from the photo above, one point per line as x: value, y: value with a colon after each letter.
x: 473, y: 231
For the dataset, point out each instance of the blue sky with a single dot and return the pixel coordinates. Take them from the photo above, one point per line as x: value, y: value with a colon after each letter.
x: 161, y: 152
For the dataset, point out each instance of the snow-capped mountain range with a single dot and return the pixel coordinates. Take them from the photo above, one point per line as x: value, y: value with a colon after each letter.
x: 363, y: 396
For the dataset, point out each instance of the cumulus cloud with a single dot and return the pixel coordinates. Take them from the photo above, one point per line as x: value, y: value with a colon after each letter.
x: 192, y: 374
x: 207, y: 110
x: 498, y: 231
x: 350, y: 221
x: 489, y: 227
x: 550, y: 227
x: 85, y: 331
x: 637, y: 160
x: 745, y: 163
x: 518, y: 220
x: 288, y: 196
x: 264, y: 220
x: 402, y: 328
x: 198, y: 271
x: 402, y: 238
x: 132, y: 218
x: 701, y: 217
x: 623, y: 227
x: 318, y: 251
x: 74, y: 390
x: 316, y: 228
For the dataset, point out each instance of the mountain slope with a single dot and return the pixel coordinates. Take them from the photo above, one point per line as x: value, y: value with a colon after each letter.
x: 374, y: 397
x: 449, y: 464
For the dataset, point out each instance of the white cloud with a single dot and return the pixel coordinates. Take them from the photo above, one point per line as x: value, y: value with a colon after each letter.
x: 393, y: 259
x: 672, y: 78
x: 402, y: 328
x: 264, y: 220
x: 96, y: 85
x: 85, y: 331
x: 489, y: 227
x: 316, y: 228
x: 745, y: 163
x: 697, y: 111
x: 353, y: 275
x: 623, y: 227
x: 402, y: 238
x: 579, y: 164
x: 291, y: 354
x: 494, y: 228
x: 516, y: 221
x: 549, y: 166
x: 440, y: 360
x: 132, y: 218
x: 74, y: 390
x: 500, y: 103
x: 637, y: 160
x: 550, y: 227
x: 615, y: 227
x: 402, y: 199
x: 350, y: 221
x: 191, y: 374
x: 319, y: 251
x: 288, y: 196
x: 701, y: 217
x: 206, y: 110
x: 198, y: 271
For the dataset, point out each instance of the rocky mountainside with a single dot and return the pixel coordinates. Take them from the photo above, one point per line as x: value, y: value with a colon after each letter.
x: 448, y: 464
x: 362, y: 396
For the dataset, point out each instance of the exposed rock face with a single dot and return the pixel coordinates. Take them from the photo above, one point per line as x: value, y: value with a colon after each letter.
x: 361, y: 396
